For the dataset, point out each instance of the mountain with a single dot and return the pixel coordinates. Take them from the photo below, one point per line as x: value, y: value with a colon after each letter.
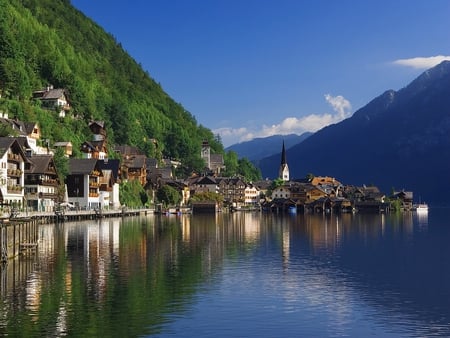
x: 260, y: 148
x: 400, y: 140
x: 47, y: 42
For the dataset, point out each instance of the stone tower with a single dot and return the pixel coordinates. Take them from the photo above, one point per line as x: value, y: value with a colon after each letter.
x: 206, y: 154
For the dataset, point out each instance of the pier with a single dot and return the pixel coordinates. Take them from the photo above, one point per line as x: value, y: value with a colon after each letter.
x: 19, y: 234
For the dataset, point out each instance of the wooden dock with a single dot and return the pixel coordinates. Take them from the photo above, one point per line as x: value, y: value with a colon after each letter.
x: 19, y: 235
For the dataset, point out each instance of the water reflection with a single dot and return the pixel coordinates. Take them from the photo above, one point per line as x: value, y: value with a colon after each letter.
x: 333, y: 274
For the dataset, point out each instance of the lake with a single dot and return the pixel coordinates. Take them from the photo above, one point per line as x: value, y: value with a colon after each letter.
x: 234, y: 275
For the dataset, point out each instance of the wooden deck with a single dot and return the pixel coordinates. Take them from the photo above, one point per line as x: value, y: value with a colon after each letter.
x: 19, y: 235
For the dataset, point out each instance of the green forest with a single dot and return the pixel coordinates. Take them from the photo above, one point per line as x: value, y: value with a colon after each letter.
x: 47, y: 42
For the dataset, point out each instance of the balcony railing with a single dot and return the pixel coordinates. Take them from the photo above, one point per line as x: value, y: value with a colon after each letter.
x: 13, y: 157
x: 14, y: 172
x: 14, y: 189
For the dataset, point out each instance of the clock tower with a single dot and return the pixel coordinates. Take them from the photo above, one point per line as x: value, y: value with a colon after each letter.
x: 206, y: 154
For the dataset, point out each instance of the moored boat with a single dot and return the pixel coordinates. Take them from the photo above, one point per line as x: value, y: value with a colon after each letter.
x: 420, y: 207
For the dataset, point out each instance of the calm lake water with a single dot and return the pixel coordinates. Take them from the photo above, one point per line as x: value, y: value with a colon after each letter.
x: 234, y: 275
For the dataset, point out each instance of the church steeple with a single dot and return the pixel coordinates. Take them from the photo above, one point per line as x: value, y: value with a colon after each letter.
x: 284, y: 169
x: 283, y: 155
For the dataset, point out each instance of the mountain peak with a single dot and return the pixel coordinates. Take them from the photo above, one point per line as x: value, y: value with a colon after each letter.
x: 399, y: 139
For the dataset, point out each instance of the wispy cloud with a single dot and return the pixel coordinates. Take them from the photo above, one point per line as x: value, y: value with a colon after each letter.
x: 290, y: 125
x: 421, y: 62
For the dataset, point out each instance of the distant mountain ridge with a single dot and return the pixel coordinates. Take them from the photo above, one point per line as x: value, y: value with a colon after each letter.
x: 262, y: 147
x: 400, y: 140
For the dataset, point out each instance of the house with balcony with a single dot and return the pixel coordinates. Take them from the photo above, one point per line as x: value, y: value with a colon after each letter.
x: 12, y: 165
x: 109, y: 183
x: 232, y: 189
x: 83, y: 183
x: 97, y: 148
x: 26, y: 130
x: 134, y: 163
x: 41, y: 183
x: 251, y: 195
x: 204, y: 184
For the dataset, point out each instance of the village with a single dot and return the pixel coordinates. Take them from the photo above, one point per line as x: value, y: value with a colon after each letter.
x: 29, y: 180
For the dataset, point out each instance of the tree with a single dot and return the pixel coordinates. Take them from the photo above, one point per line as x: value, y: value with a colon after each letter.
x: 168, y: 195
x: 278, y: 182
x: 131, y: 193
x: 248, y: 170
x: 62, y: 168
x: 231, y: 163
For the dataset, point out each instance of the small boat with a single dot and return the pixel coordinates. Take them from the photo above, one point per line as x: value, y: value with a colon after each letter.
x: 420, y: 207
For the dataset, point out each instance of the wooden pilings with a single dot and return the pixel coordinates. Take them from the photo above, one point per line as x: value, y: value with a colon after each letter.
x: 20, y: 235
x: 17, y: 236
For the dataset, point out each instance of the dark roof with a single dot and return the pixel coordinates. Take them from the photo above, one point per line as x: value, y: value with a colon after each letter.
x: 137, y: 161
x: 101, y: 124
x: 82, y: 165
x: 151, y: 162
x: 110, y: 164
x: 29, y: 127
x: 50, y: 94
x: 262, y: 185
x: 128, y: 150
x: 23, y: 141
x: 216, y: 159
x: 40, y: 164
x: 10, y: 142
x: 206, y: 180
x: 93, y: 145
x: 16, y: 125
x: 165, y: 172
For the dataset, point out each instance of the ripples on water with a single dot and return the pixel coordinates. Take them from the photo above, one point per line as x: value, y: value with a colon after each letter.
x: 235, y: 275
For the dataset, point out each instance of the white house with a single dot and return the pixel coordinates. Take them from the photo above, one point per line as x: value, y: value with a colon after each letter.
x: 251, y: 195
x: 281, y: 192
x: 12, y: 161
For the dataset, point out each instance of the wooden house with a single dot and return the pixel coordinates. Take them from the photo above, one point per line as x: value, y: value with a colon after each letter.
x: 53, y: 98
x: 232, y: 189
x: 41, y: 183
x: 109, y: 183
x: 66, y: 146
x: 97, y: 147
x: 204, y: 184
x: 135, y: 168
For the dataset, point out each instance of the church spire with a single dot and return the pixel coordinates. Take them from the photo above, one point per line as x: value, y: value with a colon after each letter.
x: 284, y: 169
x: 283, y: 155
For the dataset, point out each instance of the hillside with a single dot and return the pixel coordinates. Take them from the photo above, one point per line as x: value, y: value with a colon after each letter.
x: 46, y: 42
x: 398, y: 140
x: 260, y: 148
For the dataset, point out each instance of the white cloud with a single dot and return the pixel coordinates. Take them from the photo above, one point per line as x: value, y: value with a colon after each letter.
x: 422, y: 62
x: 290, y: 125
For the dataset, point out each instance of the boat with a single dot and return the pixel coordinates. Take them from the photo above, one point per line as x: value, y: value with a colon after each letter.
x: 420, y: 207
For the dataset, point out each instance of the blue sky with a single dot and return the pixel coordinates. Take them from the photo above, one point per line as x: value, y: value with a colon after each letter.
x: 254, y: 68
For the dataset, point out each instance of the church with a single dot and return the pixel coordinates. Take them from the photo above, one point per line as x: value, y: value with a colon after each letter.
x: 283, y: 172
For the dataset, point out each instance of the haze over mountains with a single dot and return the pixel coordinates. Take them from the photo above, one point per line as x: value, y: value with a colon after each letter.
x: 260, y: 148
x: 400, y: 140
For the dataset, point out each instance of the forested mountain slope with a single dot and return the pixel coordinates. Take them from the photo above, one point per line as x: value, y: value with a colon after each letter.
x: 50, y: 42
